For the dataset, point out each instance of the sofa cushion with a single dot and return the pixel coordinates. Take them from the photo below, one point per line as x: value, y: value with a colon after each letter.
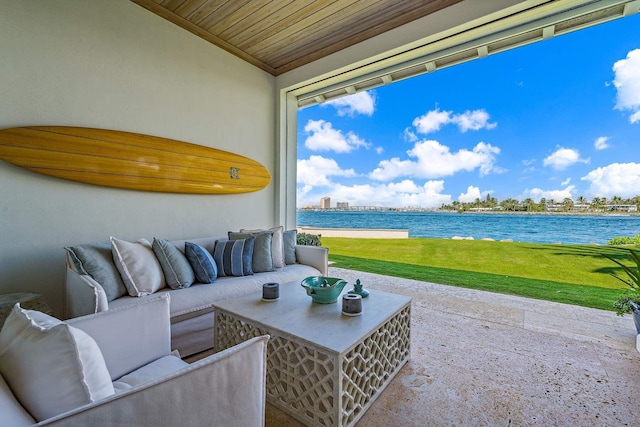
x: 202, y: 262
x: 177, y: 271
x: 50, y: 366
x: 234, y: 257
x: 96, y: 260
x: 185, y: 303
x: 261, y: 260
x: 289, y: 242
x: 277, y: 247
x: 138, y: 266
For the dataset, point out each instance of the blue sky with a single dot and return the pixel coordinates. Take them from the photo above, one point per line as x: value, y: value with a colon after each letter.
x: 558, y: 118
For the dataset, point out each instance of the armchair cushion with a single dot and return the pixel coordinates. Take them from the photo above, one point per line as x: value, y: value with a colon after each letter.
x: 156, y: 369
x: 132, y: 336
x: 13, y: 414
x: 50, y: 366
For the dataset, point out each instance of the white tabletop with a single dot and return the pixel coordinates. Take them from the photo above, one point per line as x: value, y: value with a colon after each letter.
x: 321, y: 324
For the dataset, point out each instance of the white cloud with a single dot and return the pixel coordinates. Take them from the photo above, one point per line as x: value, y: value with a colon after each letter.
x: 627, y: 84
x: 379, y: 150
x: 408, y: 135
x: 469, y: 120
x: 565, y: 182
x: 528, y: 165
x: 358, y: 103
x: 562, y: 158
x: 434, y: 160
x: 556, y: 195
x: 399, y: 194
x: 432, y: 121
x: 616, y: 179
x: 323, y: 137
x: 473, y: 120
x: 316, y: 170
x: 601, y: 143
x: 471, y: 195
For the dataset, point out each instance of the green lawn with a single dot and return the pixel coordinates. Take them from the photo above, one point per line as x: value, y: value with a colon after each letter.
x: 574, y: 274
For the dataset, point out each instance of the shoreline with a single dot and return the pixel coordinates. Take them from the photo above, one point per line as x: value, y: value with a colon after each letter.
x: 373, y: 233
x: 390, y: 210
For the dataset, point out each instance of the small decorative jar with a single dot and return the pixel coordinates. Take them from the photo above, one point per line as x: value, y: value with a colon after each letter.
x: 270, y: 292
x: 351, y: 305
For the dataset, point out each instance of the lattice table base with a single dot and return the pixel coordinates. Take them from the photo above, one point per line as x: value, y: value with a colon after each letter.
x: 320, y: 387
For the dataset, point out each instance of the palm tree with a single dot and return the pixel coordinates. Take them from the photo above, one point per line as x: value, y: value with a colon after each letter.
x: 509, y: 204
x: 543, y: 204
x: 617, y: 200
x: 528, y: 203
x: 567, y: 204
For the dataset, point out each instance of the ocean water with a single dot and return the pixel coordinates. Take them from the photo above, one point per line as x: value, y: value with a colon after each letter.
x: 578, y: 229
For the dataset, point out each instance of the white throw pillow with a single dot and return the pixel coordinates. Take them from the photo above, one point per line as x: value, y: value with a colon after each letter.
x: 277, y: 244
x: 50, y: 366
x: 140, y: 269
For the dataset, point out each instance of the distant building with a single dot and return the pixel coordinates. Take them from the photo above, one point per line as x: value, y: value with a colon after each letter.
x: 581, y: 207
x: 342, y: 205
x: 325, y: 203
x: 622, y: 208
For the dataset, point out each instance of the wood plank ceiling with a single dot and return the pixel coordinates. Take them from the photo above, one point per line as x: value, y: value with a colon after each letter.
x: 281, y: 35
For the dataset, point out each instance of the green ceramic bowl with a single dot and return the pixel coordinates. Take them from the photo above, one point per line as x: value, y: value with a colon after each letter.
x: 323, y: 290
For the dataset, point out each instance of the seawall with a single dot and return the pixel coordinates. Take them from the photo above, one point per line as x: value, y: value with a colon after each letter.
x: 363, y: 233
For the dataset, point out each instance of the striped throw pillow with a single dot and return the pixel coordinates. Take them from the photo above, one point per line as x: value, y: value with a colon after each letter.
x: 234, y: 257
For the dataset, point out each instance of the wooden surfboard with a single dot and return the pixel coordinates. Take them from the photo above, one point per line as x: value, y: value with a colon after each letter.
x: 130, y: 160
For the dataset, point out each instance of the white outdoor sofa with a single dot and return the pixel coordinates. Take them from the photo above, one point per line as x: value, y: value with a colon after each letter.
x: 192, y: 318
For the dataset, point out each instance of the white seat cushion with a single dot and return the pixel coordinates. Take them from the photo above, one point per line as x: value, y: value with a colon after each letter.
x: 50, y: 366
x: 152, y: 371
x: 13, y: 414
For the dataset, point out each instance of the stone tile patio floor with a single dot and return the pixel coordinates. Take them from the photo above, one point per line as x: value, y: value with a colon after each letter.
x: 486, y: 359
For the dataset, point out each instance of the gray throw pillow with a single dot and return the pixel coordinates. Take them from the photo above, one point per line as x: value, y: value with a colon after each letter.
x: 175, y: 266
x: 289, y: 241
x: 96, y: 260
x: 261, y: 260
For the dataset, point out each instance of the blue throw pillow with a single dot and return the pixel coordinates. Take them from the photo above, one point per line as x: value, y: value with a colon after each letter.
x: 176, y: 268
x: 202, y: 263
x: 234, y: 257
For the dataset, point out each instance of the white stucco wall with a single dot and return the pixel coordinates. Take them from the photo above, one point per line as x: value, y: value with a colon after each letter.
x: 114, y: 65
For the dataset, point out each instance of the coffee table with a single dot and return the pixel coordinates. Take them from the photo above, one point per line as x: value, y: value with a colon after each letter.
x: 323, y: 368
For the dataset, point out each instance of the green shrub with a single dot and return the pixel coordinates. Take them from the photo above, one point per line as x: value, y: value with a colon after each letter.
x: 308, y: 239
x: 625, y: 240
x: 630, y: 300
